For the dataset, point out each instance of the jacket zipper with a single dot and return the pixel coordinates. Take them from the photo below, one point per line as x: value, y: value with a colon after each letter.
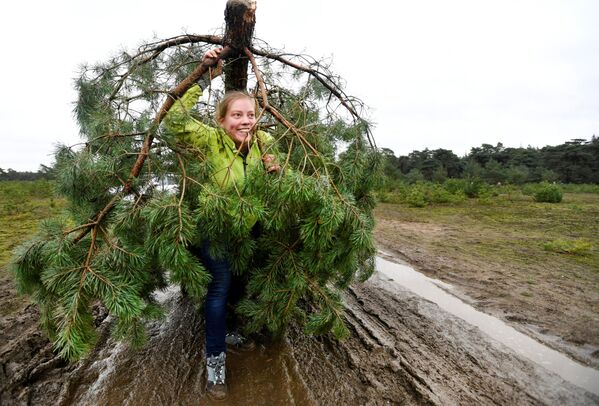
x: 243, y: 157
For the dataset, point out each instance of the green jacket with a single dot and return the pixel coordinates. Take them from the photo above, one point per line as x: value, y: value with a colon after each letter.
x: 228, y: 164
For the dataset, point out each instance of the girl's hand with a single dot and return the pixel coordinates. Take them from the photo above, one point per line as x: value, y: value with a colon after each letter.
x: 211, y: 59
x: 270, y: 163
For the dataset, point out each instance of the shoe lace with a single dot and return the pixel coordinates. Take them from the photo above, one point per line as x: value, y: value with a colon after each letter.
x: 216, y: 369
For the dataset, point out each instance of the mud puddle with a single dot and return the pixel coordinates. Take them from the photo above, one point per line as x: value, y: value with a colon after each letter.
x: 436, y: 292
x: 170, y: 369
x: 402, y: 349
x: 266, y: 376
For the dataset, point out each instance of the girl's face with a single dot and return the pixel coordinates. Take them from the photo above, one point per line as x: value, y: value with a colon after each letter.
x: 239, y: 120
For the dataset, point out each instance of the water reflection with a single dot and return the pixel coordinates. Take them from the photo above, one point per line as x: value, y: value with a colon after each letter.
x: 430, y: 289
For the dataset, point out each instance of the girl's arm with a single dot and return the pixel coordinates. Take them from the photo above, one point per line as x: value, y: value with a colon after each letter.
x: 182, y: 125
x: 178, y: 120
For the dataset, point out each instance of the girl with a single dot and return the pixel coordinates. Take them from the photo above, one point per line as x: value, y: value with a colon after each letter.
x: 233, y: 148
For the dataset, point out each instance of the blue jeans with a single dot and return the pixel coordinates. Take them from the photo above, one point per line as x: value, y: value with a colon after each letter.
x: 224, y: 290
x: 215, y: 304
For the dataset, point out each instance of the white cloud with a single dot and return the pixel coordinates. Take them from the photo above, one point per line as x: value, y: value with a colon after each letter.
x: 437, y: 74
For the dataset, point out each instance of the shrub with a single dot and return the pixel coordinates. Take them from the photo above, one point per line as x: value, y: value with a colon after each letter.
x: 548, y: 175
x: 548, y: 193
x: 455, y: 186
x: 530, y: 189
x: 438, y: 194
x: 389, y: 197
x: 485, y: 197
x: 580, y: 188
x: 575, y: 247
x: 475, y: 187
x: 414, y: 176
x: 469, y: 187
x: 416, y: 197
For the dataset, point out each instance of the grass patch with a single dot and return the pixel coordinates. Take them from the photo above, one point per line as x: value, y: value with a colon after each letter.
x: 574, y: 247
x: 511, y: 228
x: 23, y: 204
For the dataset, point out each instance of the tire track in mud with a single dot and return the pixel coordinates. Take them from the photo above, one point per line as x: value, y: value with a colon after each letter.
x: 556, y: 306
x: 165, y: 371
x: 405, y: 350
x: 401, y: 350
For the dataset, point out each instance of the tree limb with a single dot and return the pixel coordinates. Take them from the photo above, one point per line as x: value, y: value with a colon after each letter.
x: 173, y: 95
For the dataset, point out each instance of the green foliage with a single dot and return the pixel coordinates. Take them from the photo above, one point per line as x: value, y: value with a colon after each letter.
x: 574, y: 247
x: 548, y: 193
x: 474, y: 187
x: 15, y: 194
x: 547, y: 175
x: 425, y: 193
x: 518, y: 175
x: 439, y: 194
x: 299, y: 237
x: 580, y: 188
x: 416, y: 198
x: 575, y: 161
x: 414, y: 176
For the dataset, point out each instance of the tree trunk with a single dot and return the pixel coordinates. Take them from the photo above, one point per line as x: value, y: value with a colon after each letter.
x: 240, y: 19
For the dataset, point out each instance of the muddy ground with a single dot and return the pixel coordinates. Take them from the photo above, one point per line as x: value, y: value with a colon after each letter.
x: 402, y: 350
x: 555, y: 302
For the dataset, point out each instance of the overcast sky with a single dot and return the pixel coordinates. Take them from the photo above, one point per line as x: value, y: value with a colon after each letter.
x: 435, y: 73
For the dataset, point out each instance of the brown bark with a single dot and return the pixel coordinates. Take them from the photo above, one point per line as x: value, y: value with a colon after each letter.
x: 173, y: 95
x: 240, y: 19
x: 324, y: 79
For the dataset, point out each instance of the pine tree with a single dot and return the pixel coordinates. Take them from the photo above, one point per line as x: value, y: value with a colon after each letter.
x: 125, y: 234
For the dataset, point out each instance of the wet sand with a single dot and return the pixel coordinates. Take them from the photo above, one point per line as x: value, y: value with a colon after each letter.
x: 403, y: 349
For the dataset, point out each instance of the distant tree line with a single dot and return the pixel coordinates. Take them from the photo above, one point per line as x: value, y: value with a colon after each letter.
x: 45, y: 172
x: 575, y: 161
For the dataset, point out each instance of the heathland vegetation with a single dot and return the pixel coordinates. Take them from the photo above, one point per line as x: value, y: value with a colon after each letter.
x: 575, y: 161
x: 439, y: 176
x: 527, y: 228
x: 23, y: 204
x: 511, y: 191
x: 44, y: 172
x: 514, y: 229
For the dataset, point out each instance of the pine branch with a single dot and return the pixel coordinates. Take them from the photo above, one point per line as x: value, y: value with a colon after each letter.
x: 175, y: 94
x: 316, y: 215
x: 324, y: 79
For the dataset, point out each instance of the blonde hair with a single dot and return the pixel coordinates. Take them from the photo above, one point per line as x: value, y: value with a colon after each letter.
x: 223, y: 105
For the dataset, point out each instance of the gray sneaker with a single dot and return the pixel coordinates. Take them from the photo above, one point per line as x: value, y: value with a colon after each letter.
x: 239, y: 342
x: 216, y: 387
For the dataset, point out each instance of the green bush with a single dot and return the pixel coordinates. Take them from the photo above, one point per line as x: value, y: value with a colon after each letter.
x: 393, y: 197
x: 548, y: 193
x: 414, y: 176
x: 455, y: 186
x: 486, y: 196
x: 575, y: 247
x: 580, y: 188
x: 475, y: 187
x: 436, y: 193
x: 395, y: 193
x: 422, y: 193
x: 416, y: 197
x: 530, y: 189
